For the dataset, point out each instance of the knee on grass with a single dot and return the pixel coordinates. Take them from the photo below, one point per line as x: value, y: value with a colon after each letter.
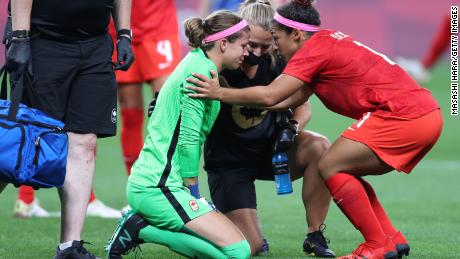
x: 239, y: 250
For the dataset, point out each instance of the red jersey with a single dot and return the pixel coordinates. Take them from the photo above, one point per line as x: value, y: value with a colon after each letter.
x: 352, y: 79
x: 152, y: 20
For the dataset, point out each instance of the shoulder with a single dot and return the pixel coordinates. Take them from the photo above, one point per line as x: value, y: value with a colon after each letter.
x: 319, y: 45
x: 197, y: 62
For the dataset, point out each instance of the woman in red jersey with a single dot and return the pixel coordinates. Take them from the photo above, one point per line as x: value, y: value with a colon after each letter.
x: 157, y: 48
x: 353, y: 80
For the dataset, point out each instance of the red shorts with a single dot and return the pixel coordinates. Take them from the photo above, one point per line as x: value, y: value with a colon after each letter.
x: 153, y: 59
x: 399, y: 142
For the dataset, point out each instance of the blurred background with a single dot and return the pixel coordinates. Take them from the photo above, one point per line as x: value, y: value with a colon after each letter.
x: 392, y: 27
x: 425, y: 205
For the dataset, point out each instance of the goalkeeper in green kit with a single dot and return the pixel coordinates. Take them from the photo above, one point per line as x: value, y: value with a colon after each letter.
x: 163, y: 189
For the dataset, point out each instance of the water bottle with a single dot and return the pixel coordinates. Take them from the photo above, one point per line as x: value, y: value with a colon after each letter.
x: 281, y: 171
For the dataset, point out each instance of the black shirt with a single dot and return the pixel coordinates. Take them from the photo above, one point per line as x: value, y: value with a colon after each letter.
x: 70, y: 20
x: 242, y: 135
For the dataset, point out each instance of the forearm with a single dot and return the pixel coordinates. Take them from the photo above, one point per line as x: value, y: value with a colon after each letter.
x: 189, y: 142
x: 256, y: 96
x: 122, y: 14
x: 287, y: 103
x: 299, y: 98
x: 20, y: 12
x: 302, y: 114
x: 189, y: 155
x: 192, y: 185
x: 190, y: 181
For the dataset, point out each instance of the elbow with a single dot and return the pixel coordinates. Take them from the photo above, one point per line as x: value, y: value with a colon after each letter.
x: 269, y: 99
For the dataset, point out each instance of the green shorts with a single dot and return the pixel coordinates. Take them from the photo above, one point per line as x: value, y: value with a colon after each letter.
x: 167, y: 207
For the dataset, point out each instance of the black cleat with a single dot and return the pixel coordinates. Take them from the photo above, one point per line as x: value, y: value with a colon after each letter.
x: 265, y: 249
x: 76, y: 251
x: 403, y: 250
x: 401, y: 244
x: 315, y: 244
x: 126, y: 236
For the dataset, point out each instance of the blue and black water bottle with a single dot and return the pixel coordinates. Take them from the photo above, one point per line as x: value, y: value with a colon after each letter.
x: 281, y: 171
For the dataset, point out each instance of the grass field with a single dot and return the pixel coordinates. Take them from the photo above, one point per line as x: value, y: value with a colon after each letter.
x: 425, y: 206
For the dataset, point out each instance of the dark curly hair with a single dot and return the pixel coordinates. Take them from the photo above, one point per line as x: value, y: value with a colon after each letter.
x: 299, y: 11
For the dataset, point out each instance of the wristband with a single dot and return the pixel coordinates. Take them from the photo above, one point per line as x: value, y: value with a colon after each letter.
x: 20, y: 34
x: 194, y: 191
x: 125, y: 33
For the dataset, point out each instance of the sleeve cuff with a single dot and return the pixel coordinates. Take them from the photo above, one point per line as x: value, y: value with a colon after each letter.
x: 299, y: 76
x: 189, y: 174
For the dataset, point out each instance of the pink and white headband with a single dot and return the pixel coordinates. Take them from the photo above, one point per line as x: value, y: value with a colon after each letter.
x: 227, y: 32
x: 294, y: 24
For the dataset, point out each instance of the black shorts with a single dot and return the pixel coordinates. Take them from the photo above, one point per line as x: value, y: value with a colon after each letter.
x: 75, y: 83
x: 233, y: 188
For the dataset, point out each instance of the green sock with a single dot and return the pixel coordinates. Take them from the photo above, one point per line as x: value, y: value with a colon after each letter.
x: 181, y: 243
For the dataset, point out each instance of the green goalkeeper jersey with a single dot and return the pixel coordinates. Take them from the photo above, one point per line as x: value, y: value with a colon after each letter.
x: 177, y: 128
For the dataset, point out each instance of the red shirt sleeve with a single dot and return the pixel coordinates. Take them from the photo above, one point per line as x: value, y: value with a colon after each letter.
x: 310, y: 59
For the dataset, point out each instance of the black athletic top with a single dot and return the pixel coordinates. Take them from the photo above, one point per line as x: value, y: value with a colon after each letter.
x: 70, y: 20
x: 242, y: 135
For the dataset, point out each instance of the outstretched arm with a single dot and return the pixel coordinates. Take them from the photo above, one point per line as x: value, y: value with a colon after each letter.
x: 257, y: 96
x: 302, y: 114
x: 298, y: 98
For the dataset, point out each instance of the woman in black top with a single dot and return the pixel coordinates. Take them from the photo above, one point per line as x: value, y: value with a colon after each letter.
x: 66, y: 46
x: 239, y: 148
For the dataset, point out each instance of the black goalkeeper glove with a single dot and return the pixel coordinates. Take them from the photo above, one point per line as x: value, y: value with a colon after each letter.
x: 125, y: 56
x: 18, y: 58
x: 7, y: 33
x: 152, y: 104
x: 286, y: 136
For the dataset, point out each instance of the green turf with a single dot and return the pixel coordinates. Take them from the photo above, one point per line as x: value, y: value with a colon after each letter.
x: 424, y: 205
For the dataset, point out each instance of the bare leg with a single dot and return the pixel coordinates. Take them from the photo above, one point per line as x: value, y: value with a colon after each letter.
x: 248, y: 222
x: 77, y: 186
x: 340, y: 166
x: 304, y: 157
x: 217, y: 228
x: 130, y: 96
x: 353, y: 157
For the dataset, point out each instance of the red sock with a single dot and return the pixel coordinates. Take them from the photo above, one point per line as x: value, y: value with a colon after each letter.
x: 351, y: 198
x: 378, y: 209
x: 131, y: 135
x: 438, y: 45
x: 26, y: 194
x: 92, y: 197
